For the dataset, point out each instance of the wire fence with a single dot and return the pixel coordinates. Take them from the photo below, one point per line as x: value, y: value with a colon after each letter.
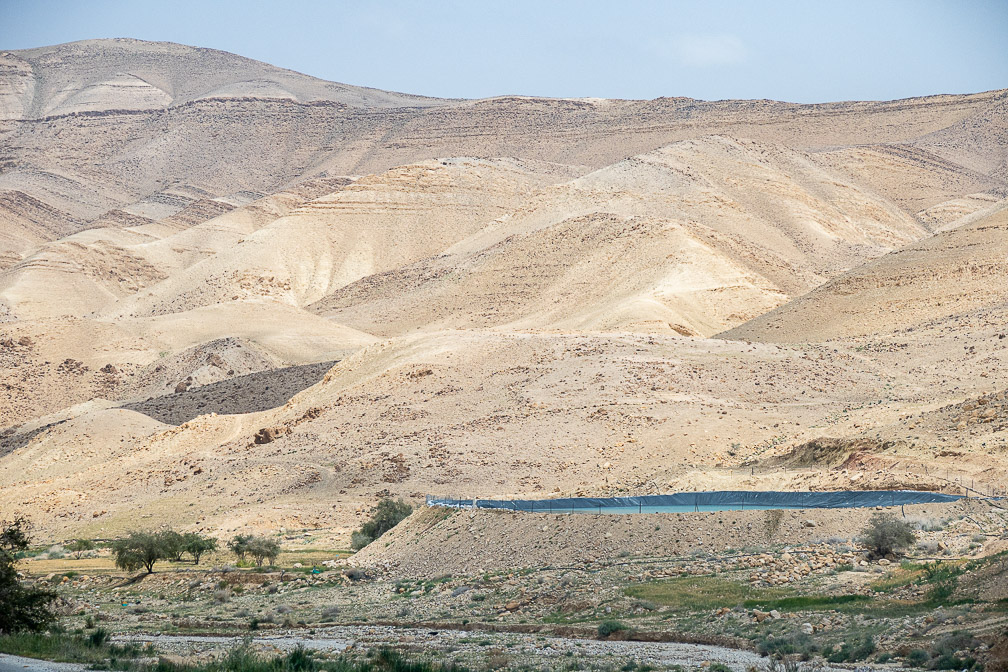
x: 721, y: 500
x: 987, y: 484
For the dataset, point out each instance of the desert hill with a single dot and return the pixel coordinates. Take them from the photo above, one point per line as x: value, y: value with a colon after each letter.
x: 234, y: 296
x: 131, y: 75
x: 695, y: 235
x: 939, y: 279
x: 152, y: 125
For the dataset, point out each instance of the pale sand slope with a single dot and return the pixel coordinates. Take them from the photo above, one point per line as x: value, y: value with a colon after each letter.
x: 919, y: 181
x: 171, y: 244
x: 25, y: 222
x: 40, y: 380
x: 510, y: 415
x: 87, y: 272
x: 373, y: 225
x: 126, y: 74
x: 939, y: 278
x: 157, y: 126
x: 691, y: 238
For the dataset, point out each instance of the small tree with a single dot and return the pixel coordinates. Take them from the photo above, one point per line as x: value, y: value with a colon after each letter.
x: 386, y: 515
x: 262, y: 549
x: 196, y: 545
x: 80, y: 546
x: 21, y: 608
x: 173, y: 544
x: 239, y: 545
x: 140, y: 549
x: 886, y: 534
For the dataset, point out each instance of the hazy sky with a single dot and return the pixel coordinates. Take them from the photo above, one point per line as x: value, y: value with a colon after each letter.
x: 808, y: 51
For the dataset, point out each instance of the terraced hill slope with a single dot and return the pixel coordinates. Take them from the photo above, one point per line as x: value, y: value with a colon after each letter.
x: 240, y: 297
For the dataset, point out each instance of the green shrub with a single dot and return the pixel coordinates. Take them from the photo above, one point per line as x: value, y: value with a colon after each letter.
x: 851, y: 652
x: 917, y: 658
x: 98, y: 638
x: 386, y: 515
x: 943, y: 653
x: 886, y: 534
x: 607, y: 628
x: 359, y: 540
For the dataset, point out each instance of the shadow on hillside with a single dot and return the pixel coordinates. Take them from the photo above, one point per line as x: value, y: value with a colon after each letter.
x: 242, y: 394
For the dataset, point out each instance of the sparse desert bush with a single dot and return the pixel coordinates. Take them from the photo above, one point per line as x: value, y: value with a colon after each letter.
x: 926, y: 523
x: 496, y: 659
x: 917, y: 658
x: 851, y: 651
x: 386, y: 515
x: 944, y: 653
x: 885, y: 534
x: 786, y: 664
x: 771, y: 522
x: 331, y: 612
x: 606, y: 628
x: 79, y: 547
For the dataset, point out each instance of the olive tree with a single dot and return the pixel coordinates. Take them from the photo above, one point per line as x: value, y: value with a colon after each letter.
x: 886, y: 534
x: 140, y: 550
x: 262, y: 549
x: 196, y: 545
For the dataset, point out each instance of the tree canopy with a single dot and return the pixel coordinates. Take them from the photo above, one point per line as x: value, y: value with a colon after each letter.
x: 140, y: 550
x: 384, y: 517
x: 22, y: 608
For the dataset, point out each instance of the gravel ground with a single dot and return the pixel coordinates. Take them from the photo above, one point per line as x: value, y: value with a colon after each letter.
x: 469, y: 646
x: 19, y: 664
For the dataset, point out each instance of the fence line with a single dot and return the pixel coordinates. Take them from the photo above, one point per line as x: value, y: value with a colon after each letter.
x: 721, y: 500
x: 967, y: 485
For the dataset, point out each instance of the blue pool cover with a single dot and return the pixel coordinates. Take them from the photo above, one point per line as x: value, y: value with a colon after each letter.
x: 723, y: 500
